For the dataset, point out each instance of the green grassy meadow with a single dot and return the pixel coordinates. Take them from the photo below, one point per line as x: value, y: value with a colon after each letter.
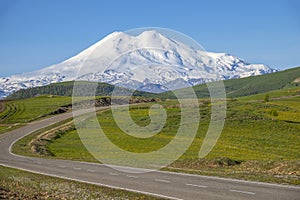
x: 254, y: 144
x: 250, y: 133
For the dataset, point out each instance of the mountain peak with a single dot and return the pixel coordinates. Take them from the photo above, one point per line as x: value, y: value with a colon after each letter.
x: 150, y: 34
x: 149, y: 61
x: 115, y: 34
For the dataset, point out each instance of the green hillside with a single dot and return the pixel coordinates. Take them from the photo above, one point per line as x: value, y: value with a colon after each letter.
x: 251, y: 85
x: 260, y: 84
x: 26, y: 110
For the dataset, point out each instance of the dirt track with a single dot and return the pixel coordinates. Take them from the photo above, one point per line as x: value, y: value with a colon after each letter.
x: 2, y: 106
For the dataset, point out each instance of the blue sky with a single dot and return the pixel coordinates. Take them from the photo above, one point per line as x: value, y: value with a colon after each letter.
x: 35, y: 33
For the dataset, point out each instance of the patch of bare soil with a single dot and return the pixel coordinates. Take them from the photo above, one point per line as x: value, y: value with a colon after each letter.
x: 2, y: 106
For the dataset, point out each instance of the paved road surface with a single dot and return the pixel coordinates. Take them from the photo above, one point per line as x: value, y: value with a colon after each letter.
x: 162, y: 184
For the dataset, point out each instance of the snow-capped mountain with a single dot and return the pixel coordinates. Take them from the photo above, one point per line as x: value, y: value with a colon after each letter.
x: 149, y: 61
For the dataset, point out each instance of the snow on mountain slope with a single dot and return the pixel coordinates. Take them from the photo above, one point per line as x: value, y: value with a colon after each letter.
x: 149, y: 61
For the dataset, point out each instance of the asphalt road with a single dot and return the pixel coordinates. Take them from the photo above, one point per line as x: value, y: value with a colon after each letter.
x: 162, y: 184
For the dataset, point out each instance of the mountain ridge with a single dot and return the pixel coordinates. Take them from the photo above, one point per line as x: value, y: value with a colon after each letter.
x: 234, y: 87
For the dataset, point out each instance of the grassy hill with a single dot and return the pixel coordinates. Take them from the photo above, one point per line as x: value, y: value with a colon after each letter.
x: 251, y: 85
x: 263, y: 83
x: 26, y: 110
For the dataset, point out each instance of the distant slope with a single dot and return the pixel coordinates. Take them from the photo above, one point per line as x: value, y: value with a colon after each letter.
x: 262, y: 83
x: 250, y: 85
x: 66, y: 89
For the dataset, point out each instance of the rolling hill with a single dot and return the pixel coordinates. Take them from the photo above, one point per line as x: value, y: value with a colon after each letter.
x: 251, y: 85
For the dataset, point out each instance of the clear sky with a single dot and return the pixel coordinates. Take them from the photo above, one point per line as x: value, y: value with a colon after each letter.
x: 38, y: 33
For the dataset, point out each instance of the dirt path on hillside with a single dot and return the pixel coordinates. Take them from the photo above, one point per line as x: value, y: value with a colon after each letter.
x: 276, y: 98
x: 284, y: 97
x: 2, y: 106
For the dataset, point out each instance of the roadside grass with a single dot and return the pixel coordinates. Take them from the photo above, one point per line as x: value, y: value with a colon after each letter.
x: 17, y: 184
x: 27, y: 110
x: 3, y: 128
x: 8, y: 127
x: 73, y: 148
x: 70, y: 148
x: 279, y: 171
x: 254, y: 145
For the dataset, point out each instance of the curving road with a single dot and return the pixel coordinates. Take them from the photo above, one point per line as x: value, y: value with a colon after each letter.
x: 161, y: 184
